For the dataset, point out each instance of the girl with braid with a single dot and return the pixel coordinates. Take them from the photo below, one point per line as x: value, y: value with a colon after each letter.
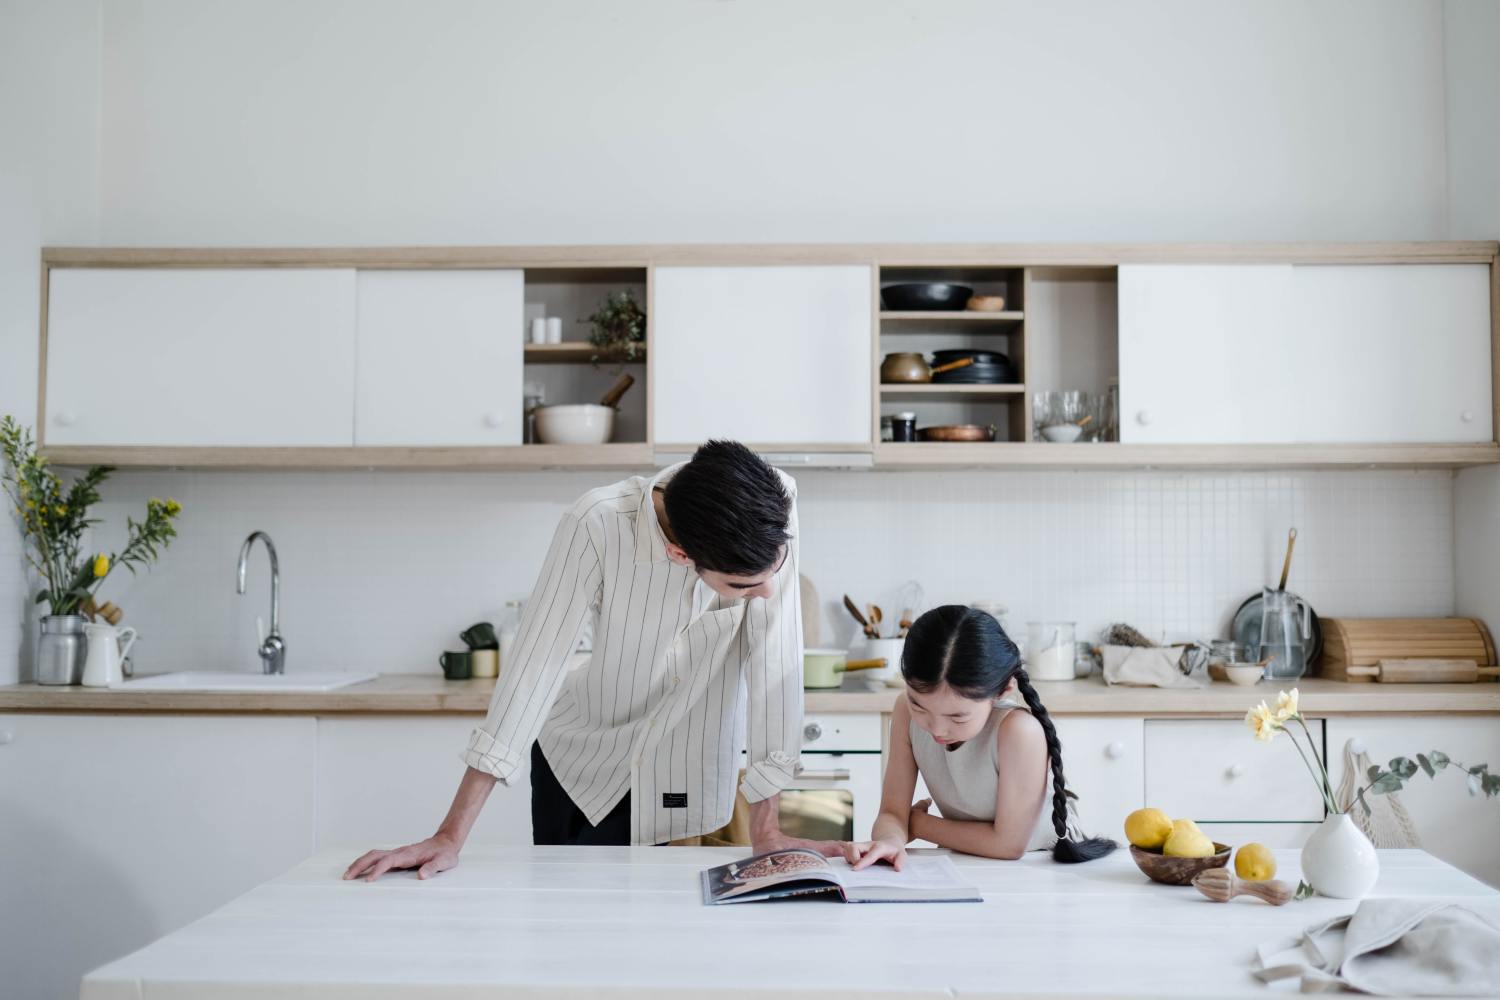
x: 986, y: 758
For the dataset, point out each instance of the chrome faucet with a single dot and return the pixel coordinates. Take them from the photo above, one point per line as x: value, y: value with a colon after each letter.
x: 272, y: 647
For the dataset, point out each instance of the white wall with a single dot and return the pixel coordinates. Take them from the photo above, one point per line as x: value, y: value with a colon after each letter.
x: 381, y: 571
x: 470, y: 121
x: 1472, y: 30
x: 49, y: 194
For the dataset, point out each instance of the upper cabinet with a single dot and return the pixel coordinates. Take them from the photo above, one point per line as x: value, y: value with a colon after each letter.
x: 439, y: 358
x: 1305, y: 354
x: 767, y: 355
x: 200, y: 357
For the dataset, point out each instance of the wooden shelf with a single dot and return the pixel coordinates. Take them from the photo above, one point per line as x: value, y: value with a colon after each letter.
x: 630, y: 455
x: 962, y: 316
x: 981, y: 391
x: 574, y: 354
x: 1037, y: 455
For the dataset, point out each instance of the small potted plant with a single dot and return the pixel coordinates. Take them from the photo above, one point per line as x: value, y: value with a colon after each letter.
x: 53, y: 517
x: 619, y: 329
x: 1338, y: 859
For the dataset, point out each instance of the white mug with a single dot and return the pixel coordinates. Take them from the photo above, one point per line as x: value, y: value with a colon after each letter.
x: 102, y: 663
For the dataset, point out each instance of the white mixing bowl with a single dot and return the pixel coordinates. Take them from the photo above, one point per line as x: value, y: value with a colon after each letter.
x: 575, y: 423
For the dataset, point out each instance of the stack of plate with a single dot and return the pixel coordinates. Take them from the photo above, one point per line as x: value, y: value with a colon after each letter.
x: 989, y: 368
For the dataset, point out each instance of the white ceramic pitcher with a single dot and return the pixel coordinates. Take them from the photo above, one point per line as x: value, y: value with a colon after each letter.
x: 108, y: 647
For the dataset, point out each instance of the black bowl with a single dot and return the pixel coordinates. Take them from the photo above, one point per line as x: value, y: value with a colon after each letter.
x: 933, y: 296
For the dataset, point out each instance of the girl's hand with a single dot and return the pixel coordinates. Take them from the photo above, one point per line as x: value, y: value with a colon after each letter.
x: 923, y: 806
x: 863, y: 854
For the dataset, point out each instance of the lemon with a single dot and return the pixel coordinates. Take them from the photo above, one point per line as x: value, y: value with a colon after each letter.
x: 1187, y: 841
x: 1255, y: 863
x: 1148, y: 828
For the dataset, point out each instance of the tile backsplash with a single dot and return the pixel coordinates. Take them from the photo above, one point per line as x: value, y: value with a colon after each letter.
x: 381, y: 570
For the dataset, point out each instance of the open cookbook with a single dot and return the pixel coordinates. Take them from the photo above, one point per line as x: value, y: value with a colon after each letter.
x: 798, y: 872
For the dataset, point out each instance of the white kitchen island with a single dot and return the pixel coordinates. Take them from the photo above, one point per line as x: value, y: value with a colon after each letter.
x: 595, y: 923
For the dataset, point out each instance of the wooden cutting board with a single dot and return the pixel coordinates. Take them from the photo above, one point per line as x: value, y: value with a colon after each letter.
x: 1365, y: 642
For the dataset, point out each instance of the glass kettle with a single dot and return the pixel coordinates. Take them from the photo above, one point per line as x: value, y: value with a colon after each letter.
x: 1285, y: 627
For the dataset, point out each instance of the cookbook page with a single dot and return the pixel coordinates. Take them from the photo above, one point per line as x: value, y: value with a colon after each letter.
x: 765, y: 871
x: 917, y: 874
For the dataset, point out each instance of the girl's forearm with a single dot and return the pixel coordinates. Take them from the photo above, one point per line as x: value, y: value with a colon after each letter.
x: 967, y: 836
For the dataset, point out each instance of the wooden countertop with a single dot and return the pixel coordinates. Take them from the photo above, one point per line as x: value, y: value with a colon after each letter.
x: 623, y: 922
x: 420, y: 694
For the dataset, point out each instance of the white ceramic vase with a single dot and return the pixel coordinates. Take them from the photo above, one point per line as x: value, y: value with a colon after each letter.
x: 1338, y: 859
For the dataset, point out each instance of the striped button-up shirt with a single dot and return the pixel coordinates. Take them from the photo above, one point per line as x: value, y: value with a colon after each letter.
x: 679, y: 681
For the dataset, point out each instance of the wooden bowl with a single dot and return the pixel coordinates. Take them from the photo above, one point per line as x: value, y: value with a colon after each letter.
x: 1177, y: 871
x: 986, y: 303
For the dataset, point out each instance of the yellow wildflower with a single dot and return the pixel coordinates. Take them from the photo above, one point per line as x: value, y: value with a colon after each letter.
x: 1286, y: 705
x: 101, y: 566
x: 1262, y: 722
x: 61, y: 510
x: 173, y: 507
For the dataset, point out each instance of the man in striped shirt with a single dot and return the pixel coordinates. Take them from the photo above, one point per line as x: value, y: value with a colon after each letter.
x: 690, y: 578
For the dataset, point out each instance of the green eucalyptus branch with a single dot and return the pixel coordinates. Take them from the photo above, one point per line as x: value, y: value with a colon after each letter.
x: 1393, y: 777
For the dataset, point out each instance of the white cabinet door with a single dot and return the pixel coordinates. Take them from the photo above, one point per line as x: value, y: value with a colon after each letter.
x: 200, y: 357
x: 1213, y: 770
x: 120, y: 829
x: 1396, y: 353
x: 764, y: 355
x: 1103, y: 763
x: 1207, y: 353
x: 1315, y: 354
x: 1460, y: 829
x: 439, y: 360
x: 383, y: 782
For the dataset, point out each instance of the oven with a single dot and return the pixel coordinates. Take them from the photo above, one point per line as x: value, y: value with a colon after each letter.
x: 836, y: 793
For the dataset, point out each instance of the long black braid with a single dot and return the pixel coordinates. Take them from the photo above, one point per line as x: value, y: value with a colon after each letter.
x: 967, y: 650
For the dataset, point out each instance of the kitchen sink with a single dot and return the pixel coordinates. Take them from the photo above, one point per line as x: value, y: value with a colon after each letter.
x: 208, y: 680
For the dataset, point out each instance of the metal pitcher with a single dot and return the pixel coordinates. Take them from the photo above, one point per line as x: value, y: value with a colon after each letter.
x: 60, y: 653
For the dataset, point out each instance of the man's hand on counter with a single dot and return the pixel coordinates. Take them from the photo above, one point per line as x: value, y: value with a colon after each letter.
x: 428, y: 857
x: 781, y: 842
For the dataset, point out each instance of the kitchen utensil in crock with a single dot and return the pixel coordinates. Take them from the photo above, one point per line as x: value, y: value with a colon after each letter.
x: 957, y: 432
x: 875, y: 617
x: 925, y: 296
x: 859, y: 617
x: 1221, y: 885
x: 821, y: 667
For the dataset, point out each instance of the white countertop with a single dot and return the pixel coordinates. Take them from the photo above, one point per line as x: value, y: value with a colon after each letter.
x: 628, y: 922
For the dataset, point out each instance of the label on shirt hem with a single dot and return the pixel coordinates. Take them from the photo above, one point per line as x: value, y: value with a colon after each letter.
x: 674, y: 800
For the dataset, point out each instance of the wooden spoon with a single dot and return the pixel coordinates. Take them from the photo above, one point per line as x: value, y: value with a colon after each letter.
x: 864, y: 622
x: 1286, y: 566
x: 1220, y: 885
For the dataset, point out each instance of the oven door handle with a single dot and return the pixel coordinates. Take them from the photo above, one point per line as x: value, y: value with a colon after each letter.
x: 832, y: 774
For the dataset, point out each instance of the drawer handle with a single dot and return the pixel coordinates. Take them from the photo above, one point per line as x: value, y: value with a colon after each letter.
x: 1467, y: 417
x: 494, y: 419
x: 834, y: 774
x: 66, y: 418
x: 6, y: 736
x: 812, y: 732
x: 1235, y: 770
x: 1114, y: 750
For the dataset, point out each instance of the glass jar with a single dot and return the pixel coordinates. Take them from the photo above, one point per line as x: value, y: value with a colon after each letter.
x: 1050, y: 650
x: 904, y: 427
x: 1222, y: 652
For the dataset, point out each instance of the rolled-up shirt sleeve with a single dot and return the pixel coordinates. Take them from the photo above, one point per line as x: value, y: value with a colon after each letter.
x: 771, y: 647
x: 566, y: 592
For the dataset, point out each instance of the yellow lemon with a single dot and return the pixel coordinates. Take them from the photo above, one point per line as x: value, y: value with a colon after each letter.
x: 1148, y: 828
x: 1187, y: 841
x: 1255, y: 863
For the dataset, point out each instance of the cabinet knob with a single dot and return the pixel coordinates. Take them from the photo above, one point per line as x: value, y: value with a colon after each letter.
x: 1143, y: 417
x: 6, y: 736
x: 1467, y: 417
x: 1235, y: 770
x: 1114, y: 750
x: 812, y: 732
x: 494, y: 418
x: 66, y: 418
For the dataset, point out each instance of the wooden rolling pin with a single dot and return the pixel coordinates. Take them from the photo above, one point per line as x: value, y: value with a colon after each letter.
x: 1425, y: 671
x: 1221, y: 885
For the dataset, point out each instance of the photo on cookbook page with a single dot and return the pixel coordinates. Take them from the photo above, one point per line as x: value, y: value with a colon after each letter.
x: 797, y: 872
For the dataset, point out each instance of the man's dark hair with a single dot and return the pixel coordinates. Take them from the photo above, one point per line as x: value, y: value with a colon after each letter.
x: 728, y: 510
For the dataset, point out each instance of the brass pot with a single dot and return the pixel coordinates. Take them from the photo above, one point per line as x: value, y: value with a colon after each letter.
x: 905, y: 367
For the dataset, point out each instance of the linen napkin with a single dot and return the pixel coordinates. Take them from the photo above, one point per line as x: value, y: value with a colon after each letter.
x: 1394, y: 947
x: 1143, y: 666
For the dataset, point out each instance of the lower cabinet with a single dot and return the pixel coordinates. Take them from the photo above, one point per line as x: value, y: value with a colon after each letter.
x: 1104, y: 766
x: 383, y: 782
x: 116, y: 830
x: 1451, y: 824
